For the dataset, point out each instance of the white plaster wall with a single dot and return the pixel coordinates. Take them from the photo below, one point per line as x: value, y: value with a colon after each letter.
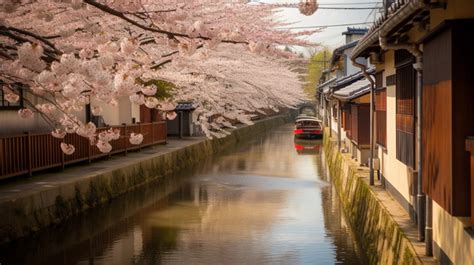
x: 124, y: 112
x: 12, y: 124
x: 110, y: 114
x: 350, y: 68
x: 450, y: 236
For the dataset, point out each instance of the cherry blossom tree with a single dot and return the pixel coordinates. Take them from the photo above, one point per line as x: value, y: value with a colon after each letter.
x: 223, y: 55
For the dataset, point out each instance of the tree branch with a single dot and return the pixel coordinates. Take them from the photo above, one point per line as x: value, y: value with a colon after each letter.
x: 31, y: 34
x: 170, y: 34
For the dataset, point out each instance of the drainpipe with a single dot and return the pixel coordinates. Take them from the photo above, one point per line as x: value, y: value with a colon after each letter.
x: 372, y: 127
x: 424, y: 204
x: 338, y: 127
x: 329, y: 109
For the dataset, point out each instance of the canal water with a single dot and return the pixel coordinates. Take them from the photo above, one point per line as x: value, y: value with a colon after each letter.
x: 268, y: 201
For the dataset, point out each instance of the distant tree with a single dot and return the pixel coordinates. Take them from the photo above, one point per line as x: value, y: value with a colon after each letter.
x: 315, y: 67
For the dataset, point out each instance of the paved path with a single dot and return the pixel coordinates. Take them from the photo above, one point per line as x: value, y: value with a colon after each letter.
x: 56, y: 177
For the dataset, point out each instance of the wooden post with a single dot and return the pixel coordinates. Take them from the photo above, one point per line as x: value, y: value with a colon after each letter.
x: 125, y: 137
x: 470, y: 148
x: 152, y: 132
x: 2, y: 161
x: 181, y: 125
x: 28, y: 150
x: 89, y: 152
x: 62, y: 160
x: 140, y: 131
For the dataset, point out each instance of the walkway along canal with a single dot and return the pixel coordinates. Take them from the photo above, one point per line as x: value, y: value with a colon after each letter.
x: 267, y: 201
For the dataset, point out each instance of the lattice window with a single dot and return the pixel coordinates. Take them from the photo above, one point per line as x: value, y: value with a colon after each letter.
x: 381, y: 116
x: 405, y: 113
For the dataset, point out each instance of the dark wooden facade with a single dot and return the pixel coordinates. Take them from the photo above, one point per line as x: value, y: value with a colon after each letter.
x: 360, y: 124
x: 149, y: 115
x: 405, y: 107
x: 448, y: 116
x: 380, y: 111
x: 347, y: 120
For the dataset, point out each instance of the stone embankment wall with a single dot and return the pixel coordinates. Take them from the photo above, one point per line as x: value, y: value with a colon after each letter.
x: 32, y: 212
x: 379, y: 236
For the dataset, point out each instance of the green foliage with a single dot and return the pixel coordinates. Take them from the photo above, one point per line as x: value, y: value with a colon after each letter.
x: 164, y: 88
x: 315, y: 68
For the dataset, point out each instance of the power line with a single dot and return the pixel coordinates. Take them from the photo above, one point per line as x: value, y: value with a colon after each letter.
x: 328, y: 26
x: 354, y: 3
x: 347, y: 8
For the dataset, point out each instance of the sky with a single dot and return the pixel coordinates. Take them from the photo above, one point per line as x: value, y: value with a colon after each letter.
x: 331, y: 36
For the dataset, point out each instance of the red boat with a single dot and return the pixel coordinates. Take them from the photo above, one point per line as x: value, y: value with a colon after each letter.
x: 308, y: 128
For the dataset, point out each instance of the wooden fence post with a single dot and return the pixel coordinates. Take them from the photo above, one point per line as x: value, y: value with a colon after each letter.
x: 152, y: 132
x: 125, y: 137
x: 2, y: 167
x: 28, y: 153
x: 140, y: 131
x: 62, y: 160
x: 89, y: 152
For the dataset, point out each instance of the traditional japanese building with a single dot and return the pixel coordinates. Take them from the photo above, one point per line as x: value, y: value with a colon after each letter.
x: 346, y: 110
x: 424, y: 117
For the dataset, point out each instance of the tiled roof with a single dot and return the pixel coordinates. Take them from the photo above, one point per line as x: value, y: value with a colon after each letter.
x: 346, y: 80
x: 339, y: 50
x: 324, y: 87
x: 397, y: 13
x: 353, y: 90
x: 185, y: 106
x: 355, y: 31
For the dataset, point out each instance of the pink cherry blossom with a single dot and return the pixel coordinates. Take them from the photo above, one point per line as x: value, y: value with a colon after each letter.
x: 46, y: 108
x: 25, y: 113
x: 149, y: 90
x: 136, y: 138
x: 151, y: 102
x: 12, y: 97
x: 58, y: 133
x: 96, y: 110
x: 103, y: 146
x: 225, y: 57
x: 171, y: 115
x: 67, y: 149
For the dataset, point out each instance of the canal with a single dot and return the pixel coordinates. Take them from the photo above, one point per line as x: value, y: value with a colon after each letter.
x: 268, y: 201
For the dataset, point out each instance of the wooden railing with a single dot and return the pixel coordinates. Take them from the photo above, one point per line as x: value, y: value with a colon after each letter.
x: 30, y: 152
x: 470, y: 148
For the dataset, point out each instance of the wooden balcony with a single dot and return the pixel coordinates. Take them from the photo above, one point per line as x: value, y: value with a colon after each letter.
x: 31, y: 152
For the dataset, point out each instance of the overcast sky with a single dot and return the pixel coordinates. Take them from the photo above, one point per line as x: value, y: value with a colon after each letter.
x: 330, y: 36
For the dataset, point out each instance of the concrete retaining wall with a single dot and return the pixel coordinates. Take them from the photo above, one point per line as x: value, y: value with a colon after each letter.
x: 375, y: 229
x: 30, y: 213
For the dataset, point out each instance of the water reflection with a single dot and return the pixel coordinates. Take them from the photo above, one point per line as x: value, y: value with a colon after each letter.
x: 262, y: 203
x: 307, y: 147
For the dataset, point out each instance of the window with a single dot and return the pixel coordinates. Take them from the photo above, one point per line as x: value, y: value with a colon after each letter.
x: 5, y: 105
x: 381, y: 116
x: 405, y: 109
x: 380, y: 110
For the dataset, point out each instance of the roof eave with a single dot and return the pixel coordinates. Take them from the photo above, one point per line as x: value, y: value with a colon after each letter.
x: 387, y: 26
x: 351, y: 97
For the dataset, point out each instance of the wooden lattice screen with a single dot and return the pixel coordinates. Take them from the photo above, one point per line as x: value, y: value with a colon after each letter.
x: 405, y: 112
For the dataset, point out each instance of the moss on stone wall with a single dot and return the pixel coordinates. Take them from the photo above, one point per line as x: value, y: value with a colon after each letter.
x: 379, y: 235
